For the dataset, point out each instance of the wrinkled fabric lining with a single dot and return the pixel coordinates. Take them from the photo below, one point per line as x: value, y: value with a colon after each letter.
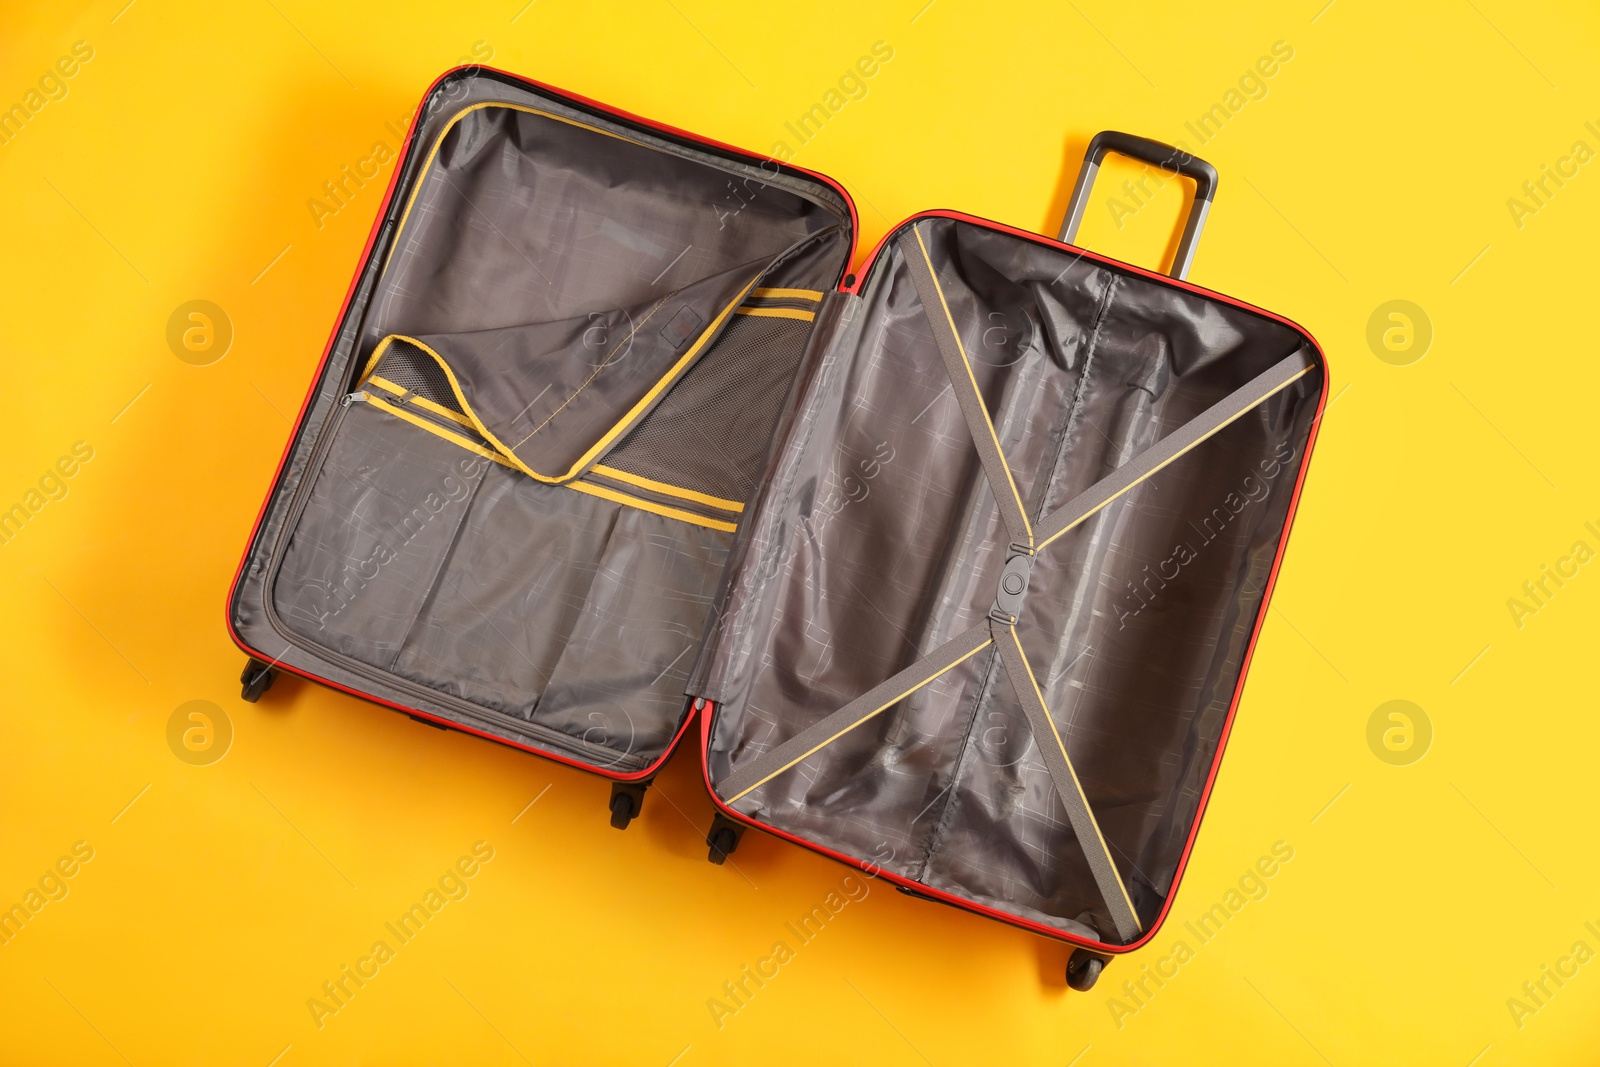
x: 551, y: 613
x: 882, y: 540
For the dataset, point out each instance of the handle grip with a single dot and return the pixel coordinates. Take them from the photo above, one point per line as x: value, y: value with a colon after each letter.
x: 1170, y: 159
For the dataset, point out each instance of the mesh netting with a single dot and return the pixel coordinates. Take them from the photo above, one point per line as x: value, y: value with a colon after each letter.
x: 411, y: 368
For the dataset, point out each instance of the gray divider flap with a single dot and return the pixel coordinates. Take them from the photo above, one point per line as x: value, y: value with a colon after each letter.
x: 554, y: 396
x: 568, y: 272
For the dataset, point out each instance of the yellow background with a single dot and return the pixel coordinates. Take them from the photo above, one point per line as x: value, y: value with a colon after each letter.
x: 1377, y: 167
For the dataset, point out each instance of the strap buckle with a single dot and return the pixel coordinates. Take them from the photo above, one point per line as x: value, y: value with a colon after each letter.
x: 1012, y: 588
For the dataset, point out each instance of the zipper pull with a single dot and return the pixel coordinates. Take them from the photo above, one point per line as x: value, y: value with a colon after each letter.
x: 357, y: 397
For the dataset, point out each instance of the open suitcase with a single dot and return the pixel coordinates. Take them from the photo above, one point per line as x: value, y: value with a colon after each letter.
x: 960, y: 557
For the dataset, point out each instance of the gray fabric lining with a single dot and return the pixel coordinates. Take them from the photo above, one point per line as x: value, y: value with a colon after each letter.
x: 748, y: 776
x: 540, y: 614
x: 1215, y: 418
x: 894, y: 689
x: 880, y: 538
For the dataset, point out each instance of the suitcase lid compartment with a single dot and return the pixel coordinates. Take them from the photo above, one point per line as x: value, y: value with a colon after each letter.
x: 532, y: 238
x: 880, y: 539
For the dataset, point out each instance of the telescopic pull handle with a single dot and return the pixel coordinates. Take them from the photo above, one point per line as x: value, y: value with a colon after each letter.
x: 1170, y: 159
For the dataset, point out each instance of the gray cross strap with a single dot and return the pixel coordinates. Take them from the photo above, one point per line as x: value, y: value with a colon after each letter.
x: 775, y: 761
x: 1054, y: 752
x: 1209, y: 422
x: 959, y: 367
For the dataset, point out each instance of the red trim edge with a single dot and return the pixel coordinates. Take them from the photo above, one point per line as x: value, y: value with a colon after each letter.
x: 709, y: 710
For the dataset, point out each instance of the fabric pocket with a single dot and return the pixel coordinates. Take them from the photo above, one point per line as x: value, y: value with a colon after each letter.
x: 376, y: 529
x: 566, y: 611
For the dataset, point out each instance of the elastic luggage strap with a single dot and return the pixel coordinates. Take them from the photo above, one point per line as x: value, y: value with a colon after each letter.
x: 1054, y: 752
x: 775, y: 761
x: 1000, y: 627
x: 973, y: 409
x: 1209, y: 422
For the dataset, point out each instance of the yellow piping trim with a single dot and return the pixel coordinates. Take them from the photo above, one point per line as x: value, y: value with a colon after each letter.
x: 455, y: 387
x: 890, y: 703
x: 421, y: 401
x: 372, y: 365
x: 1078, y: 785
x: 592, y: 490
x: 1198, y: 441
x: 645, y: 505
x: 778, y: 313
x: 457, y: 117
x: 599, y: 446
x: 477, y: 423
x: 440, y: 409
x: 437, y: 431
x: 670, y: 490
x: 1022, y: 509
x: 801, y: 294
x: 671, y: 376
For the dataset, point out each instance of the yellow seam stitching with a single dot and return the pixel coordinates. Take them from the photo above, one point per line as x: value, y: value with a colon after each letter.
x: 645, y: 505
x: 662, y: 487
x: 1023, y: 656
x: 477, y: 423
x: 440, y: 409
x: 422, y: 175
x: 421, y: 401
x: 1006, y: 466
x: 592, y: 490
x: 824, y: 744
x: 671, y: 376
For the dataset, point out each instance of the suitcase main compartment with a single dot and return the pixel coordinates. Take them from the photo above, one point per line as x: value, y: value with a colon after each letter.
x: 537, y: 566
x: 878, y: 537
